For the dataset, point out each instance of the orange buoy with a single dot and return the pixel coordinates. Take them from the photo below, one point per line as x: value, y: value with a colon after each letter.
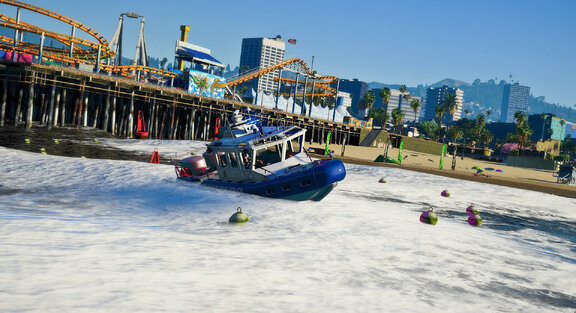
x: 155, y: 157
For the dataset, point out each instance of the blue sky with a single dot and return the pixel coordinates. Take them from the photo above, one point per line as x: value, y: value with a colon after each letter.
x: 411, y: 42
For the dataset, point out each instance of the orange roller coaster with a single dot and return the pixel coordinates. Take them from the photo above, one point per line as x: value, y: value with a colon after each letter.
x: 320, y: 81
x: 75, y: 49
x: 84, y: 50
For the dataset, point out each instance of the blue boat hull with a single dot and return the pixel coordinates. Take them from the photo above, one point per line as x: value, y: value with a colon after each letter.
x: 312, y: 184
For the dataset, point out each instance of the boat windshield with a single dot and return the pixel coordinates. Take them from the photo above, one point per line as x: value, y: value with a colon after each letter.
x: 294, y: 147
x: 268, y: 156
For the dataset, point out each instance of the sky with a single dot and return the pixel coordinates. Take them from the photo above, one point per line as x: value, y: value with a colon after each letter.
x: 395, y: 42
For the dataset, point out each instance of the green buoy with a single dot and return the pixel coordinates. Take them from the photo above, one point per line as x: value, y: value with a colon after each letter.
x: 238, y: 217
x: 27, y: 141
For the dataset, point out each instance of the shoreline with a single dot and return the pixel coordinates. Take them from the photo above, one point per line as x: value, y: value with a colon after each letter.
x: 522, y: 178
x: 76, y: 143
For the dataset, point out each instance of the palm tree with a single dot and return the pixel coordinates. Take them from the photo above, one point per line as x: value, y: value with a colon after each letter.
x: 523, y: 132
x: 403, y: 88
x: 369, y: 100
x: 397, y: 116
x: 415, y: 105
x: 466, y: 112
x: 439, y: 110
x: 455, y: 133
x: 520, y: 118
x: 450, y: 104
x: 486, y: 138
x: 385, y: 94
x: 479, y: 125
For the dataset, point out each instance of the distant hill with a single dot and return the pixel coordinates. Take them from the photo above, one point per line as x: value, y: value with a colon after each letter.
x: 454, y: 83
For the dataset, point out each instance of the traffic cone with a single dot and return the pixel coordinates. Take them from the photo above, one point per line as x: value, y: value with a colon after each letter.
x: 155, y: 157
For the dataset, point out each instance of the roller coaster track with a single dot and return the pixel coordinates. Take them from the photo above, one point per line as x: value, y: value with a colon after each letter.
x: 59, y: 17
x: 318, y: 84
x: 84, y: 51
x: 251, y: 75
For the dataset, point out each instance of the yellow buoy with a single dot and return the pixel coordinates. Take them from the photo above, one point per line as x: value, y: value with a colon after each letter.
x: 238, y: 217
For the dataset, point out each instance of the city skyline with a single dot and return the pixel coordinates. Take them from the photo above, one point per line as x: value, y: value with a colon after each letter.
x: 417, y: 42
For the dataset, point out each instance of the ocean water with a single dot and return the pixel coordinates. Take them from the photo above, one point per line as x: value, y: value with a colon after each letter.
x: 88, y: 235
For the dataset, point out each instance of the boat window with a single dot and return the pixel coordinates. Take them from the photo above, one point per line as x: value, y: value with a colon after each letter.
x: 246, y: 159
x: 295, y: 145
x: 292, y: 148
x: 233, y: 161
x: 268, y: 156
x: 223, y: 160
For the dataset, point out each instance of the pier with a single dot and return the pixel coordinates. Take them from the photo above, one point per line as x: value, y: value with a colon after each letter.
x: 53, y: 96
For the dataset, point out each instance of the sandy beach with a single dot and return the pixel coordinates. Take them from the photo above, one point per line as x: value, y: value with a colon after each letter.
x: 497, y: 173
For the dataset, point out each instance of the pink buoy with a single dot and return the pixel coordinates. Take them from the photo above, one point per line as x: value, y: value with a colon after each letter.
x: 475, y: 220
x: 445, y: 193
x: 429, y: 217
x: 471, y: 209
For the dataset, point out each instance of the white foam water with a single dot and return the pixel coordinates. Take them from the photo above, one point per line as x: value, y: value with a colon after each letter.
x: 120, y: 236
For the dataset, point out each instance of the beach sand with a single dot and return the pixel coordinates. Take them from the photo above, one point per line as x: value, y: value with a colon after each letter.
x: 531, y: 179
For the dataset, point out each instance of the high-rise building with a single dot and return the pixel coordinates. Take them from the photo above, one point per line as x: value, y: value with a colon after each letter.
x: 355, y: 88
x: 397, y: 101
x: 258, y: 53
x: 436, y: 96
x: 515, y: 98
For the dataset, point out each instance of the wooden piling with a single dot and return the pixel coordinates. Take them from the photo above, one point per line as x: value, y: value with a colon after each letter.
x: 50, y: 109
x: 113, y: 124
x: 172, y: 119
x: 175, y: 132
x: 56, y: 109
x: 192, y: 124
x: 4, y: 99
x: 19, y: 104
x: 131, y: 117
x: 30, y: 105
x: 121, y: 126
x: 43, y: 106
x: 96, y: 100
x: 85, y: 112
x: 106, y: 110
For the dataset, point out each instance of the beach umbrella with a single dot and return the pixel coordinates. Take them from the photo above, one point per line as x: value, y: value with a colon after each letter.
x: 499, y: 171
x: 476, y: 167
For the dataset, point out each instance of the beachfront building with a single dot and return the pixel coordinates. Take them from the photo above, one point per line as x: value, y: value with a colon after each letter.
x: 435, y: 97
x: 258, y: 53
x: 397, y: 101
x: 570, y: 131
x: 356, y: 89
x: 515, y: 98
x: 546, y: 126
x: 500, y: 130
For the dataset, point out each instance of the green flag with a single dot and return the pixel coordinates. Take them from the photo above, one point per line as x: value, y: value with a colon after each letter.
x: 400, y: 151
x: 442, y: 156
x: 327, y: 150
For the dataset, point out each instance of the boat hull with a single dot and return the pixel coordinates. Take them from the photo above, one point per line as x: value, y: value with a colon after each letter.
x: 312, y: 184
